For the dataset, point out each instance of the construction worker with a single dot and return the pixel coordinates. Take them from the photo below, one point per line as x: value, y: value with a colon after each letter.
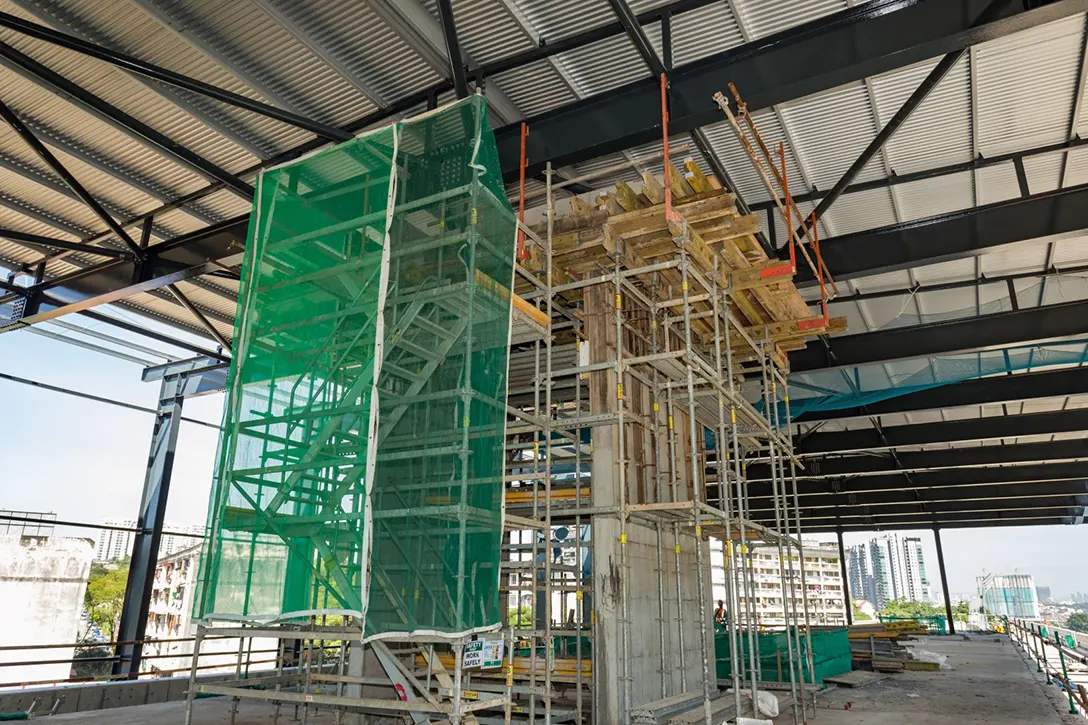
x: 719, y: 613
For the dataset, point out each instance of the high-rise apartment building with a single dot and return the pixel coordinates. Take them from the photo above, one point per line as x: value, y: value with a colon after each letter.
x: 915, y: 581
x: 116, y: 543
x: 1009, y: 595
x: 886, y: 568
x: 823, y: 578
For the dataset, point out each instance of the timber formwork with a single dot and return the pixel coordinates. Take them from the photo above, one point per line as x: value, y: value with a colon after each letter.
x: 661, y: 369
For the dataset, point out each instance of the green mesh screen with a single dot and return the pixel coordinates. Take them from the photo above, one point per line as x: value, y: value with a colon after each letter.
x: 360, y: 468
x: 867, y: 384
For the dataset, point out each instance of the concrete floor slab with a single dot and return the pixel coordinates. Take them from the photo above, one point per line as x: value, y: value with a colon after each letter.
x: 988, y: 682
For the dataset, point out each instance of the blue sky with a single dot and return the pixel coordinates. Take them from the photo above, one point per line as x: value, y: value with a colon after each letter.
x: 85, y: 461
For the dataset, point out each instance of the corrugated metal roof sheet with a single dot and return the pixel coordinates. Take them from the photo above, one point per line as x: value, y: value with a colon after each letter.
x: 938, y: 133
x: 1025, y: 88
x: 764, y: 17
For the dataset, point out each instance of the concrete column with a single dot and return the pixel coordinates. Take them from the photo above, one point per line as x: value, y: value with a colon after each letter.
x: 644, y: 656
x: 944, y: 580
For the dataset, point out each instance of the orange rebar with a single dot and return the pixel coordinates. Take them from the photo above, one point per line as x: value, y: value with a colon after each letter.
x: 665, y: 146
x: 523, y: 254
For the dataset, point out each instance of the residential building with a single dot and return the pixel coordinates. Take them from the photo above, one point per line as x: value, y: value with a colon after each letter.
x: 170, y: 619
x: 116, y: 543
x: 915, y: 582
x: 42, y: 583
x: 823, y: 578
x: 886, y: 568
x: 1044, y: 595
x: 1009, y: 595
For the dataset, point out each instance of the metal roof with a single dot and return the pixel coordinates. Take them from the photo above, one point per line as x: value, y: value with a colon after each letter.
x: 336, y: 62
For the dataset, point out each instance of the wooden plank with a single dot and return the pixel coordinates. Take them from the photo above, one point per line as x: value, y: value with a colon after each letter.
x: 761, y: 275
x: 652, y: 188
x: 695, y: 177
x: 726, y: 229
x: 579, y: 206
x: 627, y: 197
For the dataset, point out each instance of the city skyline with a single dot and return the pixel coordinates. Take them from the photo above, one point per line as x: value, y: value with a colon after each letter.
x: 101, y: 473
x: 888, y: 567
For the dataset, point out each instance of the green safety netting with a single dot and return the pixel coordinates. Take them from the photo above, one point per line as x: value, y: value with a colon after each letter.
x: 906, y: 311
x: 867, y: 384
x: 360, y: 467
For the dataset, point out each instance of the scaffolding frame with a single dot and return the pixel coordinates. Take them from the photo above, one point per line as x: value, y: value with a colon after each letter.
x: 679, y: 378
x: 660, y: 355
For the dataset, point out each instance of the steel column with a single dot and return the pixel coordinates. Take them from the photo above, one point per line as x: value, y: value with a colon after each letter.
x: 944, y: 580
x: 847, y: 597
x: 179, y: 379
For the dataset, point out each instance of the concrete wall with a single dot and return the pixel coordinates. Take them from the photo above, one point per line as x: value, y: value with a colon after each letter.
x: 42, y: 583
x: 648, y: 682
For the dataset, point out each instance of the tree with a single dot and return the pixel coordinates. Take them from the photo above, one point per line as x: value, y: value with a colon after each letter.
x: 910, y: 610
x: 961, y: 611
x: 520, y: 617
x: 1078, y: 621
x: 105, y: 596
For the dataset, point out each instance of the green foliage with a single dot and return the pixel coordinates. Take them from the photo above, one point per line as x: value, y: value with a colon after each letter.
x: 1078, y: 621
x: 105, y: 595
x: 91, y: 669
x: 961, y: 611
x: 910, y: 610
x: 520, y: 617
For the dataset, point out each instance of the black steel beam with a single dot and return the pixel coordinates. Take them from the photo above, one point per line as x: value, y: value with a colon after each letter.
x: 936, y: 338
x: 956, y: 235
x: 909, y: 516
x: 1076, y: 470
x: 453, y: 47
x: 951, y: 495
x: 866, y: 464
x: 984, y: 391
x: 185, y: 257
x: 634, y: 31
x: 1058, y: 517
x: 849, y: 600
x: 944, y: 582
x: 982, y: 162
x: 845, y: 47
x: 58, y: 84
x: 39, y: 149
x: 948, y: 431
x: 200, y: 317
x: 51, y: 244
x: 163, y: 75
x: 1066, y: 505
x: 895, y: 122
